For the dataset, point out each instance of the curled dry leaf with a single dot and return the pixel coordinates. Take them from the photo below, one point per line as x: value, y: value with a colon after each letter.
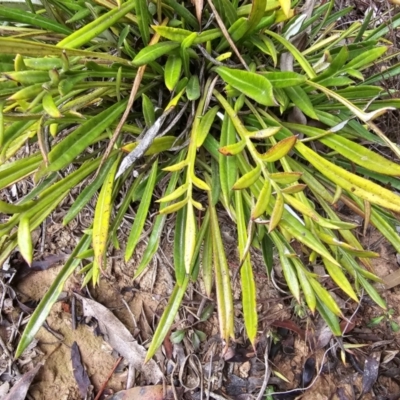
x: 80, y: 374
x: 370, y: 375
x: 119, y: 338
x: 20, y: 390
x: 148, y: 393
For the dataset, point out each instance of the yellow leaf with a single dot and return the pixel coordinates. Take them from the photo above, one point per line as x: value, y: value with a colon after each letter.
x: 285, y: 6
x: 190, y: 236
x: 101, y: 222
x: 355, y: 184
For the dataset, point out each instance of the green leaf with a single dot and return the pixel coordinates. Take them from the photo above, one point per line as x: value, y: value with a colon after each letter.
x: 77, y: 141
x: 284, y: 79
x: 143, y: 20
x: 179, y: 246
x: 248, y: 179
x: 190, y: 236
x: 325, y: 297
x: 366, y: 58
x: 256, y: 13
x: 205, y: 125
x: 154, y: 240
x: 94, y: 28
x: 329, y: 317
x: 193, y: 88
x: 37, y: 20
x: 41, y: 312
x: 50, y: 107
x: 25, y: 240
x: 295, y: 52
x: 301, y: 100
x: 277, y: 212
x: 222, y: 278
x: 141, y: 214
x: 246, y: 274
x: 172, y: 71
x: 340, y: 279
x: 227, y: 165
x: 88, y: 192
x: 151, y: 53
x: 148, y: 111
x: 253, y: 85
x: 279, y: 150
x: 357, y: 185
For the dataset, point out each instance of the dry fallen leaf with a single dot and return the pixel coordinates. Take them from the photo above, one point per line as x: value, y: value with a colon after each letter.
x: 80, y: 374
x: 120, y: 339
x: 147, y: 393
x: 20, y: 389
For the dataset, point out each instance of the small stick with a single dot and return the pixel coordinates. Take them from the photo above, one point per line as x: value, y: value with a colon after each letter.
x: 226, y: 34
x: 135, y: 88
x: 103, y: 386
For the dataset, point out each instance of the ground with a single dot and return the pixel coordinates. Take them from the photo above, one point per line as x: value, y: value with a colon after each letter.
x: 300, y: 344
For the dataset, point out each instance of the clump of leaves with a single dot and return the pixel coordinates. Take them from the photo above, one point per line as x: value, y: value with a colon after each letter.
x: 250, y: 107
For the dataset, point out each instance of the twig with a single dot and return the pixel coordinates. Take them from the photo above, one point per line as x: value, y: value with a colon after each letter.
x: 144, y: 144
x: 103, y: 386
x: 135, y: 88
x: 226, y: 34
x: 266, y: 375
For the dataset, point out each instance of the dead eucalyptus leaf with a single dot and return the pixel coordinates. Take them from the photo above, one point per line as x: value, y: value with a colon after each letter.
x: 120, y: 339
x: 148, y: 393
x: 20, y: 389
x: 80, y: 374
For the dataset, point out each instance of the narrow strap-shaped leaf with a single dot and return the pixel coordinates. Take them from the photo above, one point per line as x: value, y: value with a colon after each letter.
x: 301, y: 99
x: 172, y: 71
x: 101, y: 222
x: 10, y: 45
x: 43, y: 309
x: 340, y: 279
x: 256, y: 13
x: 355, y: 184
x: 77, y: 141
x: 143, y: 20
x: 190, y: 236
x: 154, y: 240
x: 205, y: 125
x: 263, y: 200
x: 355, y: 152
x: 151, y: 53
x: 296, y: 53
x: 179, y: 246
x: 246, y: 273
x: 25, y: 240
x: 50, y: 107
x: 307, y: 289
x: 207, y: 262
x: 227, y: 165
x: 88, y: 192
x: 141, y: 213
x: 25, y: 17
x: 330, y: 318
x: 222, y: 278
x: 148, y: 111
x: 325, y: 297
x: 94, y: 28
x: 277, y: 212
x: 168, y: 317
x: 248, y: 179
x: 279, y: 150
